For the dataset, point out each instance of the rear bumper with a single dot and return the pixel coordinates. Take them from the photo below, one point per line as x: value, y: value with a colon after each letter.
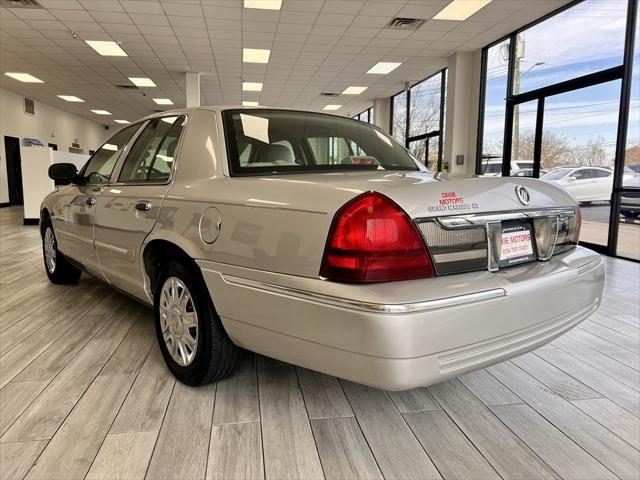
x: 404, y: 334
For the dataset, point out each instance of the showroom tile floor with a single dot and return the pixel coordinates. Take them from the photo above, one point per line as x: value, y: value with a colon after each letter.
x: 85, y: 394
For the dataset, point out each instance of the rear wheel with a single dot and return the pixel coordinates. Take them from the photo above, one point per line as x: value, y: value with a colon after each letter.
x: 192, y: 339
x: 58, y: 269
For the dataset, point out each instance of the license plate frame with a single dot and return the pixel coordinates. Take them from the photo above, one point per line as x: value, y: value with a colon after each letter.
x: 515, y: 248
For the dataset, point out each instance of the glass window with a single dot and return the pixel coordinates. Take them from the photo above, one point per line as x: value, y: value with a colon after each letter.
x: 629, y: 226
x: 399, y: 123
x: 100, y: 166
x: 632, y: 148
x: 524, y: 134
x: 151, y: 157
x: 494, y: 108
x: 331, y: 150
x: 580, y: 130
x: 583, y: 39
x: 424, y: 112
x: 284, y: 141
x: 244, y: 152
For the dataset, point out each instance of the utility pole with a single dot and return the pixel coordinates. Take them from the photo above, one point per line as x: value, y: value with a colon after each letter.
x: 516, y: 90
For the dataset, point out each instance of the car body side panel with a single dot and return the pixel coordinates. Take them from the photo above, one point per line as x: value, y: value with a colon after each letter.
x: 120, y: 229
x: 72, y: 214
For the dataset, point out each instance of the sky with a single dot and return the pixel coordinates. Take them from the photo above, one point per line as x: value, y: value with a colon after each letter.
x: 583, y: 39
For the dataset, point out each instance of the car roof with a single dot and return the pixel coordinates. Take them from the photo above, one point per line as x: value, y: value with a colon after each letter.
x: 221, y: 108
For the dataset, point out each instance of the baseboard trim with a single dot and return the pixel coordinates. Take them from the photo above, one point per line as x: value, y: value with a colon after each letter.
x: 30, y: 221
x: 5, y: 204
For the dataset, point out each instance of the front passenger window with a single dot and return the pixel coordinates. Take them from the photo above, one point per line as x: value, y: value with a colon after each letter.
x: 151, y: 157
x: 100, y: 166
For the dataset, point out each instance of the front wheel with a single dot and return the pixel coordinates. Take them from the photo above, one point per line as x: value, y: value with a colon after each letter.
x: 192, y: 339
x: 58, y: 269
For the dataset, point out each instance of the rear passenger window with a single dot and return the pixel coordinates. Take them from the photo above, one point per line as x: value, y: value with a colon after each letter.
x: 152, y: 154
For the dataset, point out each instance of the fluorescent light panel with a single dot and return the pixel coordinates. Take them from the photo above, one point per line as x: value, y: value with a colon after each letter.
x: 122, y: 121
x: 263, y: 4
x: 382, y: 68
x: 142, y: 82
x: 70, y: 98
x: 246, y: 103
x: 163, y: 101
x: 255, y: 55
x: 354, y: 90
x: 23, y: 77
x: 252, y: 86
x: 332, y: 107
x: 106, y: 48
x: 460, y: 9
x: 101, y: 112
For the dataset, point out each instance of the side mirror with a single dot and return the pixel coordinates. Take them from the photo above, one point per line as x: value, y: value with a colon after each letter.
x: 571, y: 179
x: 63, y: 173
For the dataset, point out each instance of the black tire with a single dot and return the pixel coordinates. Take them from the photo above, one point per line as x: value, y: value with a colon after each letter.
x: 215, y: 355
x: 60, y: 270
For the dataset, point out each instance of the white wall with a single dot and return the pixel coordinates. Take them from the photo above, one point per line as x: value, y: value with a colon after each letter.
x: 463, y: 97
x: 49, y: 125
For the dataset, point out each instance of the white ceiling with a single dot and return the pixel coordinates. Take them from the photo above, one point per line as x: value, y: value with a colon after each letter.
x: 316, y: 46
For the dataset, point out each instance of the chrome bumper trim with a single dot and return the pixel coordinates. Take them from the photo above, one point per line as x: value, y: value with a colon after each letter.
x: 394, y: 308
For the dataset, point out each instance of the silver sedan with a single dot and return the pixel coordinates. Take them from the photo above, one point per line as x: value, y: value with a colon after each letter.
x: 319, y: 241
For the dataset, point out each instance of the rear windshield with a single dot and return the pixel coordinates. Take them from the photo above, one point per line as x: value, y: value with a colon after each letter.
x: 280, y: 141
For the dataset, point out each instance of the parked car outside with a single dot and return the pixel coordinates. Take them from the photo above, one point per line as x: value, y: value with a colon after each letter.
x: 493, y: 168
x: 586, y: 184
x: 319, y: 241
x: 527, y: 172
x: 630, y: 200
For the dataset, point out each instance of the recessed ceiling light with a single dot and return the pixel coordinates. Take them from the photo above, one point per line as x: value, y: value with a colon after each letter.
x: 163, y: 101
x: 255, y: 55
x: 332, y: 107
x: 101, y: 112
x: 460, y: 9
x: 70, y: 98
x: 252, y: 86
x: 142, y: 82
x: 23, y: 77
x: 108, y: 49
x: 382, y: 68
x: 122, y: 121
x: 246, y: 103
x: 354, y: 90
x: 263, y: 4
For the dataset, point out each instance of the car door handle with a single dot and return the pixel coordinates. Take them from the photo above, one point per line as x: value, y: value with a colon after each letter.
x: 143, y: 205
x: 90, y: 201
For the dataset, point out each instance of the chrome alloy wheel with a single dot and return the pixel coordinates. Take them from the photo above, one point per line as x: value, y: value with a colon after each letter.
x: 50, y: 250
x: 178, y: 321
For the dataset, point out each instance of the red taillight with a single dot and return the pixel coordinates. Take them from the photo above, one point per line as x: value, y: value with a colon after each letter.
x: 373, y: 240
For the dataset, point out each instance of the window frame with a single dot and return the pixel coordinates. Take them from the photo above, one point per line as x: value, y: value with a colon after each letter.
x: 358, y: 117
x: 123, y: 158
x: 622, y: 72
x: 423, y: 136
